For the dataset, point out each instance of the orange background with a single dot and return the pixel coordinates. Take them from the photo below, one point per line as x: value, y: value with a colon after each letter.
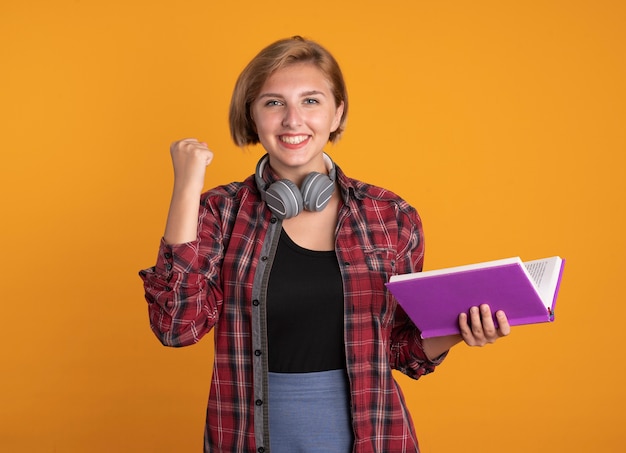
x: 502, y: 122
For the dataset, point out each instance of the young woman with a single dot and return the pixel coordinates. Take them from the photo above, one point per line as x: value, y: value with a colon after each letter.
x: 288, y: 269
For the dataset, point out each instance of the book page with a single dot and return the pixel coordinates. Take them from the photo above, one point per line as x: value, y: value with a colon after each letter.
x: 536, y: 269
x: 545, y: 274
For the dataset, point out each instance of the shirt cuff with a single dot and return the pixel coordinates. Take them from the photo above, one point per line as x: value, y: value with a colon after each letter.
x: 176, y: 258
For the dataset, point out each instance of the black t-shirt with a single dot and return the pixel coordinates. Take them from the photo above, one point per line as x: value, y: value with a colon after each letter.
x: 305, y: 310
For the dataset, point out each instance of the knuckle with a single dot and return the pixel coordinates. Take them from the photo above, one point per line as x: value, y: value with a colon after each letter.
x: 490, y: 332
x: 477, y: 331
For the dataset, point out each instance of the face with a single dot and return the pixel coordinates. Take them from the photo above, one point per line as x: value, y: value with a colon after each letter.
x: 294, y: 115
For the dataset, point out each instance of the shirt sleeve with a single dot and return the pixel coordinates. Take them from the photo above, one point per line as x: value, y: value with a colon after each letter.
x: 407, y: 352
x: 182, y: 290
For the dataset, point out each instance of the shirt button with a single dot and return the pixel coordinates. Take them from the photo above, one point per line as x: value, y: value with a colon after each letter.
x: 255, y: 302
x: 167, y: 255
x: 346, y: 263
x: 257, y: 352
x: 261, y: 450
x: 264, y: 258
x: 259, y: 402
x: 168, y: 267
x: 273, y: 220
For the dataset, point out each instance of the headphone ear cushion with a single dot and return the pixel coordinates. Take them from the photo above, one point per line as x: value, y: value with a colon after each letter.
x: 317, y: 190
x: 284, y: 199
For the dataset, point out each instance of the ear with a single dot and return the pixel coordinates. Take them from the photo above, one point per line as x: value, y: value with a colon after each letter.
x: 337, y: 118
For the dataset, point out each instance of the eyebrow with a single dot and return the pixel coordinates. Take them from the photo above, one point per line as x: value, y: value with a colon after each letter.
x: 303, y: 94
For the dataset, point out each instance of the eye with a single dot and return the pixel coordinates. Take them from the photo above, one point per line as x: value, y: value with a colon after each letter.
x: 273, y: 103
x: 311, y: 101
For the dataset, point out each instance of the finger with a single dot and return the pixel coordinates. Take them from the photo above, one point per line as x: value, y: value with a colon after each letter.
x: 476, y: 322
x: 504, y: 327
x: 194, y: 145
x: 177, y: 143
x: 191, y: 147
x: 489, y: 328
x: 174, y: 146
x: 464, y: 327
x: 209, y: 157
x: 466, y: 331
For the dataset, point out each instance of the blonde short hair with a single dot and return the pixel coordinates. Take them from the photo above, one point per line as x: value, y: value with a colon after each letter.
x: 272, y: 58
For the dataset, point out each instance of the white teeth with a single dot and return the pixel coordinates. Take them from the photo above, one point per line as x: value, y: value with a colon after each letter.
x: 293, y: 140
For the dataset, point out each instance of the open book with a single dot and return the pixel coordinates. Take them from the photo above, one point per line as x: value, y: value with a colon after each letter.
x: 525, y: 291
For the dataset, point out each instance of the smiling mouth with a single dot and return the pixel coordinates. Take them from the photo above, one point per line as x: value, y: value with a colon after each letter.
x: 293, y: 139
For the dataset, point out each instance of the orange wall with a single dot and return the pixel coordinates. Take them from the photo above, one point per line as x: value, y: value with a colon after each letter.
x: 502, y: 122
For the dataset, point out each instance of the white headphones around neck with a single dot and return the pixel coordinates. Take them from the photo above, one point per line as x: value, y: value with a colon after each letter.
x: 286, y: 200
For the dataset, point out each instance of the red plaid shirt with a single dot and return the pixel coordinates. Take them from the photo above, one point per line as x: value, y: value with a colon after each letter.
x: 219, y: 281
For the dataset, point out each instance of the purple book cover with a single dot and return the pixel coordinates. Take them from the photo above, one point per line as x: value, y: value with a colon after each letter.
x: 435, y: 302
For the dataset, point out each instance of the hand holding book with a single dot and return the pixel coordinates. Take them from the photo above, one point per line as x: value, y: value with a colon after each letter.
x: 477, y: 328
x: 525, y: 291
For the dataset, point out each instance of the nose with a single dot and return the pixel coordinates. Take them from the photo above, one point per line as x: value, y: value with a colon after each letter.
x: 292, y: 117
